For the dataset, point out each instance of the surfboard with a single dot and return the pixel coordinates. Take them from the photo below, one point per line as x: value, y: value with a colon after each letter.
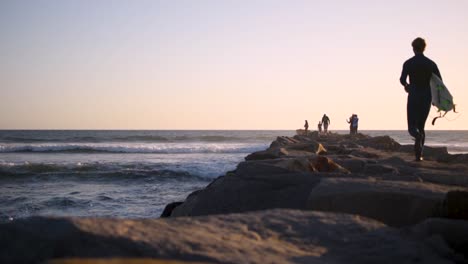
x: 441, y: 97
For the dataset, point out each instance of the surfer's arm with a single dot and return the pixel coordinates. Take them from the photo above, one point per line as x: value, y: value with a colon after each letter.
x: 437, y: 72
x: 404, y: 75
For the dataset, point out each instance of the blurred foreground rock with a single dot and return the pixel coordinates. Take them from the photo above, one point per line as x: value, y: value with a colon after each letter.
x: 272, y: 236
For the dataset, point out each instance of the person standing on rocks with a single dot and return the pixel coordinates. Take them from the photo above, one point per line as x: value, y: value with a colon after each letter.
x: 319, y: 126
x: 419, y: 69
x: 353, y: 124
x: 306, y: 127
x: 325, y: 122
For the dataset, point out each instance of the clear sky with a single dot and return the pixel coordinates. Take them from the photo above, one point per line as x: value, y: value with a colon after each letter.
x: 216, y: 64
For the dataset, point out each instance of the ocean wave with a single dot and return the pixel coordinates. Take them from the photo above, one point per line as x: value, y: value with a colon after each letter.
x: 66, y: 202
x: 83, y: 139
x: 170, y: 148
x: 134, y: 138
x: 97, y: 171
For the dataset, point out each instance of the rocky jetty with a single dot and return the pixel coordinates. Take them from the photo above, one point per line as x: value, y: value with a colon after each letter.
x: 374, y: 177
x: 306, y: 199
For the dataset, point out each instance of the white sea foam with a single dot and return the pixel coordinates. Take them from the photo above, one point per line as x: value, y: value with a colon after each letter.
x: 135, y: 147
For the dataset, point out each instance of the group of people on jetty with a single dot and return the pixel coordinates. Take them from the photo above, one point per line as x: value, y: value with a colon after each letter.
x: 325, y: 122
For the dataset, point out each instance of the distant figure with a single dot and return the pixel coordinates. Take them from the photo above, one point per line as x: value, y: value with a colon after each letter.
x: 325, y: 122
x: 306, y: 127
x: 353, y: 124
x: 419, y: 69
x: 319, y: 127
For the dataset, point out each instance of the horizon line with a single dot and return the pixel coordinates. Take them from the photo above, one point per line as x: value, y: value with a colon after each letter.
x: 146, y: 129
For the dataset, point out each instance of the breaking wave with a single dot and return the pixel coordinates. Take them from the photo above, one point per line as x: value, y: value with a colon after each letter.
x: 128, y: 137
x: 133, y: 148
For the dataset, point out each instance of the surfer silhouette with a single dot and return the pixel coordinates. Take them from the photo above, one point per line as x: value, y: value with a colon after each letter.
x: 419, y: 68
x: 325, y: 122
x: 306, y: 127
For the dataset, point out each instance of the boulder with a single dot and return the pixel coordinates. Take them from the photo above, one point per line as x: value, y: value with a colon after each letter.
x: 454, y: 158
x: 273, y: 236
x: 281, y: 141
x: 381, y: 142
x: 429, y: 153
x: 267, y: 154
x: 453, y: 232
x: 456, y: 205
x: 249, y: 192
x: 395, y: 203
x: 268, y: 167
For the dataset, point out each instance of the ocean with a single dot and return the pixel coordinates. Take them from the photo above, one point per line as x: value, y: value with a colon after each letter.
x: 131, y: 174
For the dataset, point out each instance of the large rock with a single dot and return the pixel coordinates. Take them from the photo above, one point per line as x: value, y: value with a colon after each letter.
x: 381, y: 142
x: 287, y: 147
x: 283, y: 141
x: 395, y: 203
x: 453, y: 232
x: 430, y: 153
x: 243, y: 192
x: 274, y: 236
x: 454, y: 158
x: 265, y: 184
x: 456, y: 205
x: 267, y: 154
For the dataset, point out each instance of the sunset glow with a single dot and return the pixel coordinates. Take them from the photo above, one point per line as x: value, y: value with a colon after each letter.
x: 222, y: 64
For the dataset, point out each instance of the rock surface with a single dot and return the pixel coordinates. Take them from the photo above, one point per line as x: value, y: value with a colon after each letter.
x: 395, y: 203
x: 273, y: 236
x: 285, y: 176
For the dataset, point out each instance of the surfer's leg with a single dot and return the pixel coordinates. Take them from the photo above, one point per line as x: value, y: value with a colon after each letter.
x: 414, y: 114
x: 422, y: 108
x: 411, y: 115
x: 425, y: 108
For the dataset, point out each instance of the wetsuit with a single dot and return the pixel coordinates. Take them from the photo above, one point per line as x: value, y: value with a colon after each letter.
x: 325, y: 123
x: 419, y: 69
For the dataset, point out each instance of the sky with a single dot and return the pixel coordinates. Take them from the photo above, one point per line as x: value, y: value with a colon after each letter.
x: 84, y: 64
